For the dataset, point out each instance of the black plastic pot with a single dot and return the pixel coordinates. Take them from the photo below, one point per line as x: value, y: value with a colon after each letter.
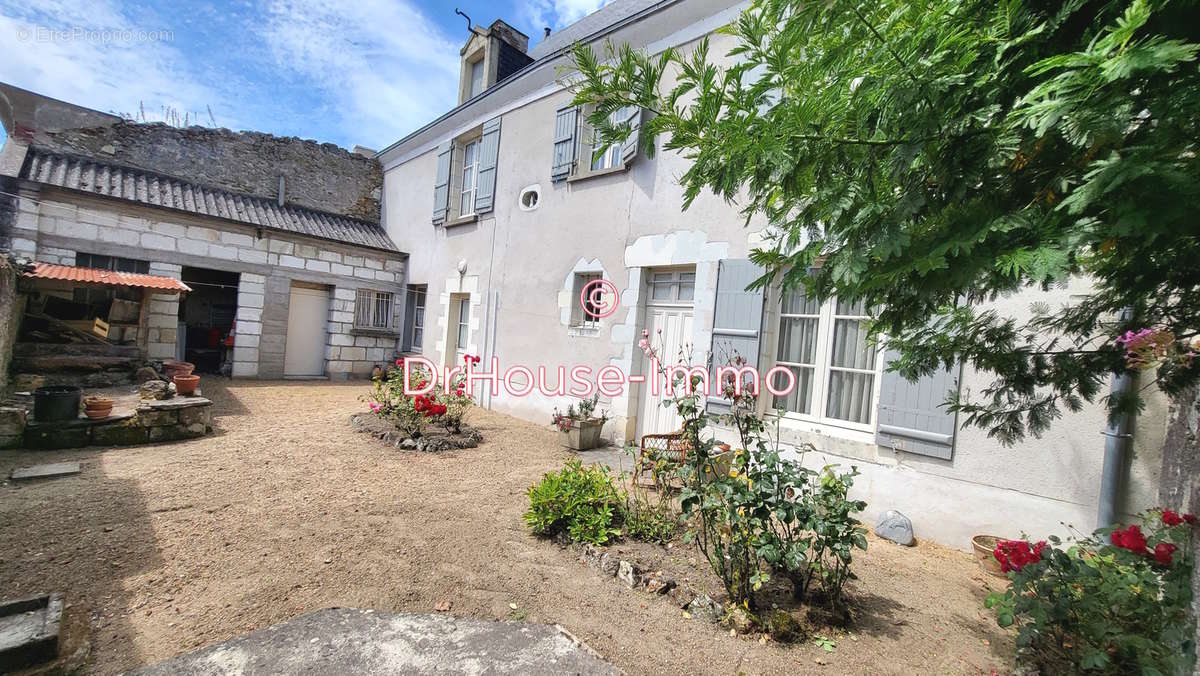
x: 56, y: 402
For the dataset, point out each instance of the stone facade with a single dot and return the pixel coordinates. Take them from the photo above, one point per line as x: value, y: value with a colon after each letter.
x: 52, y: 225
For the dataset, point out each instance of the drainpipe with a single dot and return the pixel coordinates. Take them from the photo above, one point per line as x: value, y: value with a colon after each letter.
x: 1116, y: 446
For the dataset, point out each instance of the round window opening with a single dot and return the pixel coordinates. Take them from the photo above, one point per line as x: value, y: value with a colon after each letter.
x: 531, y: 197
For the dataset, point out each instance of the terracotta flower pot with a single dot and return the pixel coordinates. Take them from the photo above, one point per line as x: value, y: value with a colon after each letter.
x: 97, y: 407
x: 174, y: 367
x: 185, y: 385
x: 984, y: 545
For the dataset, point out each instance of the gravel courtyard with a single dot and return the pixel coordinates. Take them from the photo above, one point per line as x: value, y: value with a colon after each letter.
x: 285, y: 509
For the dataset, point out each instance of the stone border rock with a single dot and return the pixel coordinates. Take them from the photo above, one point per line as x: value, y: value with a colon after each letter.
x: 635, y: 576
x: 433, y: 442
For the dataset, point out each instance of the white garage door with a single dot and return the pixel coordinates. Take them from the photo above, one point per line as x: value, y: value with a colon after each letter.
x: 308, y: 317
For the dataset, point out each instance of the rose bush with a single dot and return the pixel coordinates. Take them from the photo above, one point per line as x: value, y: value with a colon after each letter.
x: 1115, y: 602
x: 411, y: 413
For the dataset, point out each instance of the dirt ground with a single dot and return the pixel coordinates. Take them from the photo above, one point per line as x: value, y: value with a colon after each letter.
x: 285, y: 510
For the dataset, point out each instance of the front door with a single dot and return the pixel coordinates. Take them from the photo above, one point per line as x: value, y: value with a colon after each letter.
x: 308, y: 322
x: 668, y: 320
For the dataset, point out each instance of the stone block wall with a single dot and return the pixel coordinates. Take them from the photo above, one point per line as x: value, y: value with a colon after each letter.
x: 351, y: 351
x: 162, y: 315
x: 251, y: 297
x: 318, y: 176
x: 267, y: 261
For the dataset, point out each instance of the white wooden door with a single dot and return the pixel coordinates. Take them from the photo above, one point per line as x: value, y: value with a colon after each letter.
x: 668, y: 320
x: 308, y: 318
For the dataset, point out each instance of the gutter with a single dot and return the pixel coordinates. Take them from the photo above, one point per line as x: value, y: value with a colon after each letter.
x: 1116, y: 447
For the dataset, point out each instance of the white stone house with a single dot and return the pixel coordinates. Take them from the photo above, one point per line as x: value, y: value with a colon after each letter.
x: 512, y: 219
x: 278, y: 238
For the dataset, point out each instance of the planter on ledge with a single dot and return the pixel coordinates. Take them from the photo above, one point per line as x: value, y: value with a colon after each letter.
x: 185, y: 385
x: 97, y: 408
x: 584, y: 434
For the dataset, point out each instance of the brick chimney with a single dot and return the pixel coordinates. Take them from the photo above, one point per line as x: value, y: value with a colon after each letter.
x: 490, y: 56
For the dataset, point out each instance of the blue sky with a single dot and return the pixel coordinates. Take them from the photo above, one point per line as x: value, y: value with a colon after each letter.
x: 346, y: 72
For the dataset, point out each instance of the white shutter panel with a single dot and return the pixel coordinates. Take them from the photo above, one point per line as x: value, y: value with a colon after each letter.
x: 566, y: 123
x: 629, y: 148
x: 737, y: 322
x: 912, y: 415
x: 489, y: 151
x: 441, y: 184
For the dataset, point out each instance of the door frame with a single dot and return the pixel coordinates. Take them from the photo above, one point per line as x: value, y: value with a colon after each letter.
x: 648, y: 305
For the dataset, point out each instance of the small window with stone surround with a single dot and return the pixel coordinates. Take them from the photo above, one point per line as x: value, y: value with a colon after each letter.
x: 373, y: 310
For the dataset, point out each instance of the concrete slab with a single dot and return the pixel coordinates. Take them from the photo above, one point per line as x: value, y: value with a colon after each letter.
x: 349, y: 641
x: 46, y: 471
x: 29, y: 631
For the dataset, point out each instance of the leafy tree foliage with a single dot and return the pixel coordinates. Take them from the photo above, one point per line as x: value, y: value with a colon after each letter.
x: 930, y: 156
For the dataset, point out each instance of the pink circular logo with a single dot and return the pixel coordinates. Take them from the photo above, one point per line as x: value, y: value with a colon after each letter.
x: 599, y: 299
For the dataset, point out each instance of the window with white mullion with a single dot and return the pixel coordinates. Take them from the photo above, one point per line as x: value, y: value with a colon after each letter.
x: 852, y: 362
x: 825, y: 347
x: 798, y: 349
x: 470, y: 168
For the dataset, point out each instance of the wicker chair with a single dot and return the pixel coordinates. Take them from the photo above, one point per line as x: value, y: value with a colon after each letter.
x: 672, y: 448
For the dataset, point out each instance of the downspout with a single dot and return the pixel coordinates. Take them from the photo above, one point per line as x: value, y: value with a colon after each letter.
x: 1116, y: 446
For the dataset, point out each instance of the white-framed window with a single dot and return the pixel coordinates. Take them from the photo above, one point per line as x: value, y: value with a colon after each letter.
x: 672, y: 286
x: 611, y: 157
x: 836, y: 369
x: 373, y: 309
x: 463, y: 329
x: 416, y: 303
x: 470, y: 171
x: 584, y: 311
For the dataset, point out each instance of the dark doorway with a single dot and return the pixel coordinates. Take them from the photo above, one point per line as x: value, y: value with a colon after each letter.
x: 206, y: 318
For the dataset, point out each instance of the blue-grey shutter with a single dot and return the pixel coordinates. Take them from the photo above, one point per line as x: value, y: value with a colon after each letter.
x: 489, y: 151
x: 737, y: 322
x: 630, y: 147
x: 566, y: 124
x: 441, y: 184
x: 912, y: 415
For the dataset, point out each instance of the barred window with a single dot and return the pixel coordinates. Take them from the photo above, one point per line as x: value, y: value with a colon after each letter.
x: 373, y: 310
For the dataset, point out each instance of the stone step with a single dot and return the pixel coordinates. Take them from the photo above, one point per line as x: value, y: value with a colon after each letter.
x: 75, y: 349
x: 82, y: 363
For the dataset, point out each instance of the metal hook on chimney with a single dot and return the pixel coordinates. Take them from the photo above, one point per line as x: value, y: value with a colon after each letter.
x: 470, y: 24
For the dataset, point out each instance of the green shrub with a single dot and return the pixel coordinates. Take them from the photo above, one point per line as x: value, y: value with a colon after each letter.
x: 1113, y: 603
x: 583, y: 502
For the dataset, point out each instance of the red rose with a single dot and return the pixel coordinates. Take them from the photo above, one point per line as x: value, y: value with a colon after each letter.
x: 1016, y: 554
x: 1190, y: 518
x: 1171, y: 518
x: 1131, y: 538
x: 1163, y: 552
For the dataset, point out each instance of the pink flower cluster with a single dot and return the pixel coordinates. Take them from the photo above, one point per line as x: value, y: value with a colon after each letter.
x: 1147, y: 347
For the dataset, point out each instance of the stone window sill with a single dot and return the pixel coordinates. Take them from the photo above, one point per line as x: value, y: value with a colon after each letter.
x: 579, y: 330
x: 461, y: 220
x: 589, y: 173
x: 373, y: 331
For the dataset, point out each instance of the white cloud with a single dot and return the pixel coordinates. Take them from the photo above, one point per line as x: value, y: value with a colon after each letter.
x: 384, y: 66
x: 559, y: 13
x: 96, y: 54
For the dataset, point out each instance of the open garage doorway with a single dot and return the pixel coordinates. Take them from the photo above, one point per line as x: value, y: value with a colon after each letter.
x: 206, y: 319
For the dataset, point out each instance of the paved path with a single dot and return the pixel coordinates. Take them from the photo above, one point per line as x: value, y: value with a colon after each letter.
x: 348, y: 641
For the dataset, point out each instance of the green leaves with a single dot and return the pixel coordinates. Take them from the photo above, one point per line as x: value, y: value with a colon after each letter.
x: 583, y: 502
x: 940, y: 150
x: 1097, y: 606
